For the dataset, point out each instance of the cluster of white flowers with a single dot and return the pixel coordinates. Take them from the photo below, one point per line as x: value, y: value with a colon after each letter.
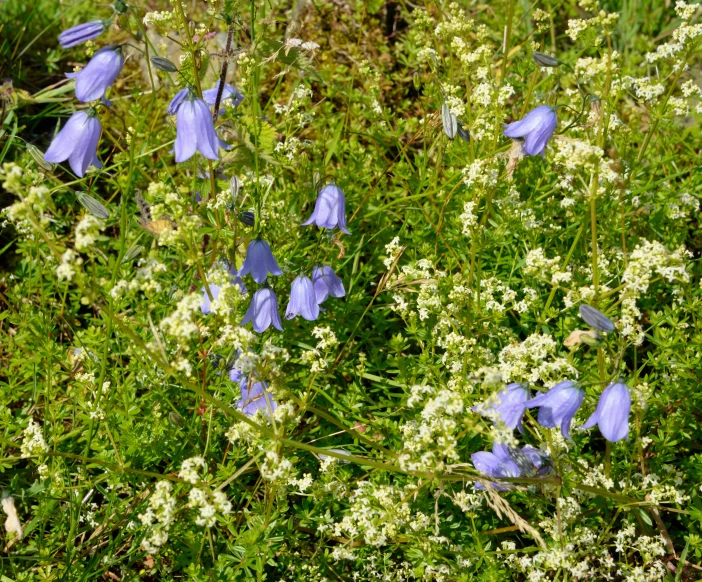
x: 33, y: 442
x: 189, y: 469
x: 683, y: 37
x: 647, y: 259
x: 277, y: 469
x: 181, y: 324
x: 208, y: 505
x: 144, y: 280
x: 379, y: 513
x: 534, y: 360
x: 158, y: 517
x: 318, y: 358
x: 67, y: 269
x: 87, y: 231
x: 430, y: 441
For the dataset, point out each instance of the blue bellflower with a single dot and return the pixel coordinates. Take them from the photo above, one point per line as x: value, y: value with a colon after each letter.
x: 255, y: 399
x: 505, y: 461
x: 612, y: 413
x: 263, y: 311
x: 229, y: 92
x: 326, y: 283
x: 498, y: 463
x: 558, y: 406
x: 536, y: 127
x: 195, y: 129
x: 81, y: 33
x: 177, y: 100
x: 303, y: 300
x: 329, y: 209
x: 510, y: 406
x: 96, y: 77
x: 259, y: 261
x: 77, y: 143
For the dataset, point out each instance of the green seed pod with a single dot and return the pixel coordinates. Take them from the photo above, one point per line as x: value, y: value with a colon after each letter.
x: 163, y: 64
x: 38, y: 157
x: 92, y: 205
x: 544, y: 60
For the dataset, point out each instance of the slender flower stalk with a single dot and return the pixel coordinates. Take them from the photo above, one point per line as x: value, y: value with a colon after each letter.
x: 77, y: 143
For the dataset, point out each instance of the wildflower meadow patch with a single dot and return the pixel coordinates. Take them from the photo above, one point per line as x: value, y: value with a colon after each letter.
x: 323, y: 290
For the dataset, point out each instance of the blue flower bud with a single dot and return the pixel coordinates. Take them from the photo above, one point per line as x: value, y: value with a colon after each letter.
x: 81, y: 33
x: 302, y: 300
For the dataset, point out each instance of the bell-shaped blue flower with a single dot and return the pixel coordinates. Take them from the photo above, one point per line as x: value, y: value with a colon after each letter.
x: 509, y: 406
x: 558, y: 406
x: 229, y: 92
x: 81, y: 33
x: 498, y: 463
x: 263, y: 311
x: 177, y: 100
x: 77, y: 143
x: 255, y: 399
x: 195, y: 129
x: 326, y: 283
x: 536, y: 128
x: 303, y: 300
x: 612, y: 413
x: 329, y: 209
x: 259, y: 261
x: 94, y: 79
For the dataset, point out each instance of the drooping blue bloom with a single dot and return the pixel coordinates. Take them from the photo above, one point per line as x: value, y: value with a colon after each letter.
x: 255, y: 399
x: 263, y: 311
x: 506, y: 461
x: 558, y: 406
x: 536, y: 127
x: 177, y: 100
x: 95, y: 78
x: 509, y: 407
x: 329, y: 209
x: 77, y: 143
x: 498, y: 463
x: 81, y: 33
x: 612, y: 413
x: 229, y: 92
x: 326, y: 283
x: 195, y: 129
x: 303, y: 300
x: 259, y: 261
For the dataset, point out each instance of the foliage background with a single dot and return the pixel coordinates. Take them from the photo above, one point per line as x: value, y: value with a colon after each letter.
x: 437, y: 308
